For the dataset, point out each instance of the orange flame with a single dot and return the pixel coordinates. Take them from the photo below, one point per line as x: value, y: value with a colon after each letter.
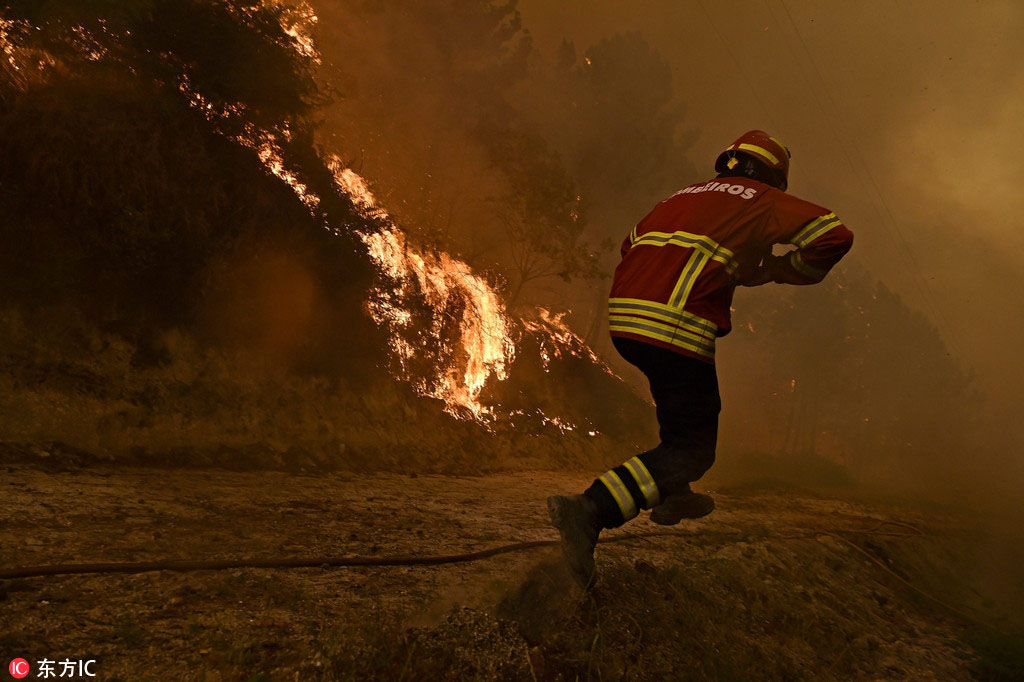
x: 5, y: 43
x: 298, y: 20
x: 557, y: 338
x: 452, y: 291
x: 458, y: 298
x: 484, y: 327
x: 486, y: 349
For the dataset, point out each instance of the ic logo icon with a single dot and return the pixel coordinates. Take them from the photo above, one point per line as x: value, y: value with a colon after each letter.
x: 18, y: 668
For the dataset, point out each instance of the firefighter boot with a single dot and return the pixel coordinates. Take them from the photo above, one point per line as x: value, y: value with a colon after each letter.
x: 576, y: 518
x: 682, y: 505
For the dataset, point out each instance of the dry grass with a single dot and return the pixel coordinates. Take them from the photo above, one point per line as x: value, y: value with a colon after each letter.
x: 77, y: 395
x: 748, y: 594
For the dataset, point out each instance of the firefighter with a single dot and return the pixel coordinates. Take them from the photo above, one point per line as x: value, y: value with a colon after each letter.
x: 670, y: 301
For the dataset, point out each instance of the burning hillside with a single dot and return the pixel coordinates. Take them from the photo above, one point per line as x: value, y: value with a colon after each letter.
x: 183, y: 295
x: 464, y: 337
x: 287, y: 364
x: 448, y: 328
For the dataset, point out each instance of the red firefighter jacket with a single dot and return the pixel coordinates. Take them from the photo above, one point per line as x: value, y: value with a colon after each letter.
x: 681, y: 264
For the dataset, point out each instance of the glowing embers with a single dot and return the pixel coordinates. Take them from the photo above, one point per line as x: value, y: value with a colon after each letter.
x: 92, y: 48
x: 538, y: 414
x: 298, y: 22
x: 212, y: 113
x: 6, y: 45
x: 269, y: 151
x: 263, y: 142
x: 448, y: 329
x: 354, y: 186
x: 555, y: 339
x: 19, y: 62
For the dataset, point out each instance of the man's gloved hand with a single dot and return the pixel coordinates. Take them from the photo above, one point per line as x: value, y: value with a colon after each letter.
x: 762, y: 274
x: 753, y: 277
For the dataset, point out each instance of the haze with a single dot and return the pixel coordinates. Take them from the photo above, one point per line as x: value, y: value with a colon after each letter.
x: 902, y: 116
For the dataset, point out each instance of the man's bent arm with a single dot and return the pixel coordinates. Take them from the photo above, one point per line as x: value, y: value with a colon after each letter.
x: 820, y: 245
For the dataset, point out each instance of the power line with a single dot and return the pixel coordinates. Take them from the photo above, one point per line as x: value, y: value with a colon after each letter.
x: 739, y: 66
x: 863, y: 171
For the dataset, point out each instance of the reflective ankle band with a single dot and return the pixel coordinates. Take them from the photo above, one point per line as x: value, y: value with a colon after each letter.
x: 632, y: 487
x: 622, y: 497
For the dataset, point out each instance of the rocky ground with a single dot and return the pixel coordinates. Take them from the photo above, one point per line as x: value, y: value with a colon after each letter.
x: 774, y: 585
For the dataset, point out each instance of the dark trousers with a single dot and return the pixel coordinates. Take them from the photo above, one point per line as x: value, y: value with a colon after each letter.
x: 685, y: 392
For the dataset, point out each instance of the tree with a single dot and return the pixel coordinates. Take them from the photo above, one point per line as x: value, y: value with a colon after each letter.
x: 542, y: 213
x: 613, y: 116
x: 855, y: 374
x: 230, y: 53
x: 423, y: 83
x: 615, y: 119
x: 125, y: 194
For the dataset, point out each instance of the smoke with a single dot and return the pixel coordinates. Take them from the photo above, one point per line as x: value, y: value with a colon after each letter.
x: 902, y: 117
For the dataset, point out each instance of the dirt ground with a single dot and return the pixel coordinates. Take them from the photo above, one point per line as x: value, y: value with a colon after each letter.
x: 773, y: 585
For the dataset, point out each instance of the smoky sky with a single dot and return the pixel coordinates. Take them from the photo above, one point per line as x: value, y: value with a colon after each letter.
x: 903, y: 117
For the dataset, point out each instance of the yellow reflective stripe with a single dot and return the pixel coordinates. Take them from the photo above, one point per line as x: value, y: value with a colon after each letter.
x: 757, y: 150
x: 709, y: 246
x: 697, y: 339
x: 622, y: 497
x: 644, y: 480
x: 689, y: 275
x: 797, y: 261
x: 664, y: 313
x: 778, y: 142
x: 694, y: 241
x: 819, y: 231
x: 814, y: 229
x: 632, y: 236
x: 653, y: 306
x: 641, y: 329
x: 671, y: 335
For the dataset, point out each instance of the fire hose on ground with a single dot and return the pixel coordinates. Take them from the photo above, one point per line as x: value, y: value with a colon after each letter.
x: 188, y: 565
